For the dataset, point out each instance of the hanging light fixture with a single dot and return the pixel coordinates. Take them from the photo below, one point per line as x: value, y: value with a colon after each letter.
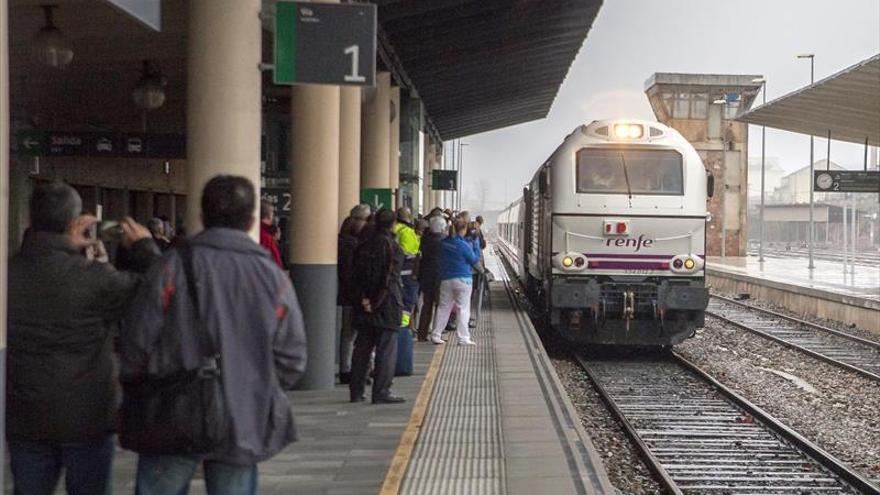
x: 149, y: 93
x: 49, y: 46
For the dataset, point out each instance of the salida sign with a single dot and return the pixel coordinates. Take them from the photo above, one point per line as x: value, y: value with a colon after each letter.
x: 637, y: 243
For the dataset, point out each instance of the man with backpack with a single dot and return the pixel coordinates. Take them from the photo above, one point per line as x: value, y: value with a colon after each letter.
x: 213, y: 339
x: 377, y: 314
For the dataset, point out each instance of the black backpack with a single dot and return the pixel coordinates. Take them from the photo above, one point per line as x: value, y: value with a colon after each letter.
x: 184, y: 413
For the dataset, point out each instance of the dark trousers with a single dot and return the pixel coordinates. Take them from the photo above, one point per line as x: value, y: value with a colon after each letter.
x: 36, y: 467
x: 384, y: 341
x: 429, y: 301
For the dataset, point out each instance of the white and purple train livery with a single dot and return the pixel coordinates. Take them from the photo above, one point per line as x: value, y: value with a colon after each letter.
x: 609, y: 236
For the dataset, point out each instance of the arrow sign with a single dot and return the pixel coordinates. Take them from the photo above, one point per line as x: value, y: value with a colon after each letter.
x: 31, y: 142
x: 377, y: 198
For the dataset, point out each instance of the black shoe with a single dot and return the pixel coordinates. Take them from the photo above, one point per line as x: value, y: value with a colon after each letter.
x: 345, y: 378
x: 388, y: 399
x: 472, y: 324
x: 361, y: 398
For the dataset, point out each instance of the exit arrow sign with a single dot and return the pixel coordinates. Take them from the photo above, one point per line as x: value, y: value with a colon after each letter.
x: 31, y: 142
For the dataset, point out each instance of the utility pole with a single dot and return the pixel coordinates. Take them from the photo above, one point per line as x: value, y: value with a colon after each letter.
x: 811, y: 234
x: 763, y: 168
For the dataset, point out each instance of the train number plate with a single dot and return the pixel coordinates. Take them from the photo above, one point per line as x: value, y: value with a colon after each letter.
x: 639, y: 271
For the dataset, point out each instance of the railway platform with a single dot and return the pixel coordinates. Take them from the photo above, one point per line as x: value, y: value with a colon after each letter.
x: 490, y: 419
x: 851, y: 297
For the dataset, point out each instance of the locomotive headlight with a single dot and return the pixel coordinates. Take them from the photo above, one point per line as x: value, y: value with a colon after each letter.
x: 686, y: 263
x: 628, y: 131
x: 570, y: 262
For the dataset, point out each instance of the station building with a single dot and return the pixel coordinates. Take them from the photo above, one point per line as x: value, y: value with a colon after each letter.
x: 702, y: 107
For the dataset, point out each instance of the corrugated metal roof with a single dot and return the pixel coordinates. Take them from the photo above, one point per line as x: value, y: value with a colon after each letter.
x: 480, y: 65
x: 846, y: 103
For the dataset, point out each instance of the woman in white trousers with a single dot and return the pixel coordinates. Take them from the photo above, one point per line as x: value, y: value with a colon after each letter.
x: 457, y: 257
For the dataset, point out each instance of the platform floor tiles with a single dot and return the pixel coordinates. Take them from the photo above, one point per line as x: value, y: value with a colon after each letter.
x: 494, y: 424
x: 344, y: 448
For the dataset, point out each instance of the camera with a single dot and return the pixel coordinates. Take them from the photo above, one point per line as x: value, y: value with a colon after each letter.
x: 111, y: 231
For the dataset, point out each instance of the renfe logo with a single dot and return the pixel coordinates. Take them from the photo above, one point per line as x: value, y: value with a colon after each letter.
x: 638, y: 244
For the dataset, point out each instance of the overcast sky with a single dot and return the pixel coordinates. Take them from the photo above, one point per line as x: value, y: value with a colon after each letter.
x: 632, y: 39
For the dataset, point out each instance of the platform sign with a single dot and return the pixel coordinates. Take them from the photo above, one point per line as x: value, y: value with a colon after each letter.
x: 444, y: 180
x: 377, y: 198
x: 846, y: 181
x: 100, y: 144
x: 319, y: 43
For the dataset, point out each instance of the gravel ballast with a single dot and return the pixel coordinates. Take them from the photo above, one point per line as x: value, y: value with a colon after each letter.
x: 625, y: 469
x: 837, y: 409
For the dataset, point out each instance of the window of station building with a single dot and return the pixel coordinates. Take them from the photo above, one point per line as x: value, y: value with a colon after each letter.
x: 731, y: 110
x: 681, y: 106
x: 699, y: 105
x: 668, y: 100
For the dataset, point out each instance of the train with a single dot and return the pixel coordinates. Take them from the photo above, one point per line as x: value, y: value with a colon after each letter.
x: 609, y: 236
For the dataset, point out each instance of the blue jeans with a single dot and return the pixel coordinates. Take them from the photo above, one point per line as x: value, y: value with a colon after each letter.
x: 36, y: 467
x: 171, y: 474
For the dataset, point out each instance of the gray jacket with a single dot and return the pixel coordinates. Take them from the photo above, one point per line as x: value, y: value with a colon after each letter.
x: 250, y: 304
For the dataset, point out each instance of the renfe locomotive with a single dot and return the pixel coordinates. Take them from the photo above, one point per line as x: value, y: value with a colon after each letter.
x: 609, y: 236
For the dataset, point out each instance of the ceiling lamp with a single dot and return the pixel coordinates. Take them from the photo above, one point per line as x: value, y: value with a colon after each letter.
x: 50, y: 47
x: 149, y: 94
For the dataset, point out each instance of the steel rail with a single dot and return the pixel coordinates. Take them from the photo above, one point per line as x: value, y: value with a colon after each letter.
x: 796, y: 442
x: 801, y: 348
x: 800, y: 321
x: 818, y: 454
x: 653, y: 464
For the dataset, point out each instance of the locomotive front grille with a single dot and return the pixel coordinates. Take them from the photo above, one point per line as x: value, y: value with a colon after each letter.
x: 612, y: 294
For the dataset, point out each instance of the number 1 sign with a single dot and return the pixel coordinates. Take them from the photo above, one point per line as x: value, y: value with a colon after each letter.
x: 320, y: 43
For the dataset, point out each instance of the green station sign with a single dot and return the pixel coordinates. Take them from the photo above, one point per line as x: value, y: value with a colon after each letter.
x: 319, y: 43
x: 377, y: 198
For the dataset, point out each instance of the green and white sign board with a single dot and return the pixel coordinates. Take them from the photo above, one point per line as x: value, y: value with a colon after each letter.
x: 377, y: 198
x: 321, y: 43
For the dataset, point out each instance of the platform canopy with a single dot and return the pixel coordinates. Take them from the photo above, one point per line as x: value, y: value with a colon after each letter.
x: 846, y: 103
x: 480, y: 65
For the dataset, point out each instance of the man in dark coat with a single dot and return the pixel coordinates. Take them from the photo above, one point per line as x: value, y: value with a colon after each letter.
x: 249, y: 305
x: 63, y: 310
x: 429, y: 280
x: 377, y: 316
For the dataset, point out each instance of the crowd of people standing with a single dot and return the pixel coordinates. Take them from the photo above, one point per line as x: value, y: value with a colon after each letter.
x: 182, y: 349
x: 401, y: 273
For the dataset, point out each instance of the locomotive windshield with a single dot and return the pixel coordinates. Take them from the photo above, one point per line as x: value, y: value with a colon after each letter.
x: 629, y: 171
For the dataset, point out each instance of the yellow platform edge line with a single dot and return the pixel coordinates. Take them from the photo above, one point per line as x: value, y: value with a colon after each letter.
x: 400, y: 461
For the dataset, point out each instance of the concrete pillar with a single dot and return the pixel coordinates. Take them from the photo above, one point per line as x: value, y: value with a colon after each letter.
x: 223, y: 97
x: 427, y: 166
x: 438, y: 165
x: 394, y: 144
x: 349, y: 149
x: 375, y: 138
x: 5, y: 146
x: 314, y: 180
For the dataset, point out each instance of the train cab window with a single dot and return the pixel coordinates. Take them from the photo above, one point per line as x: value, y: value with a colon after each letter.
x: 629, y: 171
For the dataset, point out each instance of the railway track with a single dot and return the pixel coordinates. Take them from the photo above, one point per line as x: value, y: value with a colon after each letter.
x: 699, y: 437
x: 870, y: 259
x: 841, y: 349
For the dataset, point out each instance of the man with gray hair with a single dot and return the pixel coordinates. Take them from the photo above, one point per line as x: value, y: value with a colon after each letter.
x: 360, y: 211
x: 63, y: 311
